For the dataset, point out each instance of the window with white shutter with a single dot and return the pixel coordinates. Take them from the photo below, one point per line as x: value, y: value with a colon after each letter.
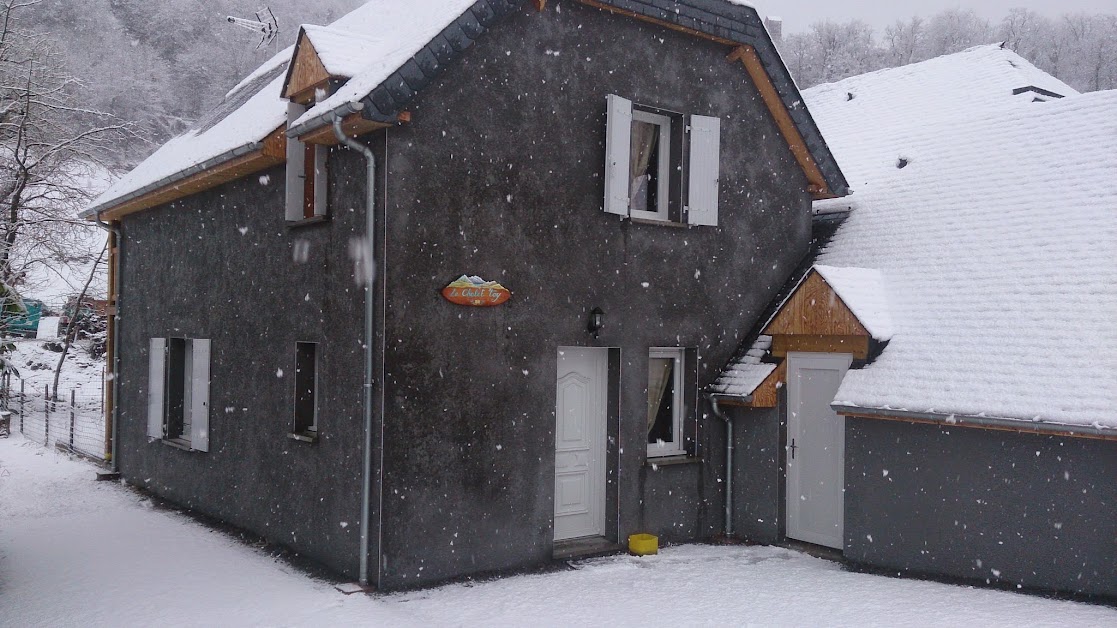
x: 307, y: 169
x: 705, y: 170
x: 156, y: 373
x: 178, y: 392
x: 618, y: 136
x: 645, y: 151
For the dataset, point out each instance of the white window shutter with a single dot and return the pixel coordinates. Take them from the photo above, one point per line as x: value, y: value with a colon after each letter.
x: 199, y: 395
x: 156, y: 379
x: 705, y: 170
x: 618, y: 149
x: 321, y: 183
x: 296, y: 162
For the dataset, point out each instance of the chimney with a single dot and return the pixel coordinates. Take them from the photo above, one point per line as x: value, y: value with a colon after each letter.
x: 775, y: 28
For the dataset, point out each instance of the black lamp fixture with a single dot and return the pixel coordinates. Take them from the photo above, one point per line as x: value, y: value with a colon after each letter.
x: 597, y: 321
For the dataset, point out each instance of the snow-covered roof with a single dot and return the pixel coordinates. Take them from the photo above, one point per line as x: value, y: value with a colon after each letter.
x: 873, y: 121
x: 343, y: 53
x: 995, y: 240
x: 747, y: 372
x: 389, y: 50
x: 397, y: 32
x: 863, y: 292
x: 387, y: 31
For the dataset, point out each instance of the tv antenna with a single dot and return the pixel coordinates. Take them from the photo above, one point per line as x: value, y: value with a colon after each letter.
x: 265, y: 25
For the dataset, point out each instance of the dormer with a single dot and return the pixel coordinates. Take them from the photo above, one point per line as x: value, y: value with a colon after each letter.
x: 324, y: 58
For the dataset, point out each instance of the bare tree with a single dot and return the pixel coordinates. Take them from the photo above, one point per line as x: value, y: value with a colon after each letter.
x: 50, y: 148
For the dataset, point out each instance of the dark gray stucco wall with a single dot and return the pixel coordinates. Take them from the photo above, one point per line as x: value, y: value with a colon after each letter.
x: 499, y: 174
x: 758, y: 478
x: 980, y: 504
x: 220, y: 265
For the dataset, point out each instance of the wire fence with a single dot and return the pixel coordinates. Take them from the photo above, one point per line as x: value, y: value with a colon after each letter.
x: 73, y: 421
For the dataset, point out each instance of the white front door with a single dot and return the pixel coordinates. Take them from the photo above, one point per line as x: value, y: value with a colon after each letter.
x: 580, y: 434
x: 815, y: 448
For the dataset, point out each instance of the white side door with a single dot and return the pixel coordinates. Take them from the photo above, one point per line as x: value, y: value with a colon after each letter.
x: 815, y: 449
x: 580, y: 433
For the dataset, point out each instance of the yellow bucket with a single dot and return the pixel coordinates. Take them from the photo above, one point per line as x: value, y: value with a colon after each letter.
x: 643, y: 544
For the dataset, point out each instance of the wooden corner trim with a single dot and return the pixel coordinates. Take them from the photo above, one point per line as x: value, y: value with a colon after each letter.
x: 816, y: 182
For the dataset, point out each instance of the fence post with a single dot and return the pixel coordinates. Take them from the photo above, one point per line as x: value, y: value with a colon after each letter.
x: 22, y: 401
x: 71, y: 419
x: 46, y: 413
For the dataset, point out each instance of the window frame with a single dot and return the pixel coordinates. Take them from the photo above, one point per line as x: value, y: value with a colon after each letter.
x: 179, y: 380
x: 300, y: 430
x: 307, y: 168
x: 677, y: 446
x: 663, y: 177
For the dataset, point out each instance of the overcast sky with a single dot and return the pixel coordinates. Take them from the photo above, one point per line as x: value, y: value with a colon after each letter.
x: 799, y: 14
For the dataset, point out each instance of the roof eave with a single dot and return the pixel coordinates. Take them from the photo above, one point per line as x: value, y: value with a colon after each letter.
x: 963, y: 420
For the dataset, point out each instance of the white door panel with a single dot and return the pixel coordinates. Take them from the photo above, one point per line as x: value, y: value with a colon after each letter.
x: 816, y: 449
x: 580, y: 432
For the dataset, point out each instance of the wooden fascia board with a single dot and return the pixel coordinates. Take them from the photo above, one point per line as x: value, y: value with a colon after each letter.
x: 816, y: 182
x: 305, y: 71
x: 1023, y: 429
x: 785, y: 321
x: 767, y: 393
x: 354, y: 125
x: 231, y: 170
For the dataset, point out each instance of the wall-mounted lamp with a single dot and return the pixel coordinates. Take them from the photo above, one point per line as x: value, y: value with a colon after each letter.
x: 597, y: 321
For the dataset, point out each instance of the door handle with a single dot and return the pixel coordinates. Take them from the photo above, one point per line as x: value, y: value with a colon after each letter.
x: 793, y: 448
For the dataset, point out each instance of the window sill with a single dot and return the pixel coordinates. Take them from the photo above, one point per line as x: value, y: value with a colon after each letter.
x: 658, y: 223
x: 304, y: 437
x: 302, y: 222
x: 178, y: 443
x: 672, y: 460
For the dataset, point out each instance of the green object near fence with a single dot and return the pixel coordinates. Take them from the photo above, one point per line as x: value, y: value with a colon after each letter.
x: 24, y: 322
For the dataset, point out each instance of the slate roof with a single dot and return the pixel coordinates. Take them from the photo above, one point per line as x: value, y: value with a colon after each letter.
x: 995, y: 243
x: 408, y: 45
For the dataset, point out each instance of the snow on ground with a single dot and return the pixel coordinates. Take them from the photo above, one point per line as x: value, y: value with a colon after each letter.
x: 36, y: 365
x: 75, y: 552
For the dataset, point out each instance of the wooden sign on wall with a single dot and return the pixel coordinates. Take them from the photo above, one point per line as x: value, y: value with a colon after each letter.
x: 475, y: 292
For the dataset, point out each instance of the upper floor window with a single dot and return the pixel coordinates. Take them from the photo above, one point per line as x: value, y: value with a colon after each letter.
x: 307, y: 169
x: 660, y: 165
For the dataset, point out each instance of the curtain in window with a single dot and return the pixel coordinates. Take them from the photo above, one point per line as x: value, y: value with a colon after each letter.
x: 645, y: 136
x: 659, y: 376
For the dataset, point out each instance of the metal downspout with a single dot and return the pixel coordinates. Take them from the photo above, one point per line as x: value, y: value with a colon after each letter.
x: 715, y: 404
x: 369, y: 279
x: 115, y: 339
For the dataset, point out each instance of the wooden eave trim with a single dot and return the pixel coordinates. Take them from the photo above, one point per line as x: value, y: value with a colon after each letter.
x: 354, y: 125
x: 767, y: 393
x: 816, y: 182
x: 1023, y: 429
x: 274, y: 152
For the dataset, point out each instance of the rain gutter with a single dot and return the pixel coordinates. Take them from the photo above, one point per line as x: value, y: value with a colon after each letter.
x: 327, y: 118
x: 961, y: 420
x: 369, y: 281
x: 208, y: 164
